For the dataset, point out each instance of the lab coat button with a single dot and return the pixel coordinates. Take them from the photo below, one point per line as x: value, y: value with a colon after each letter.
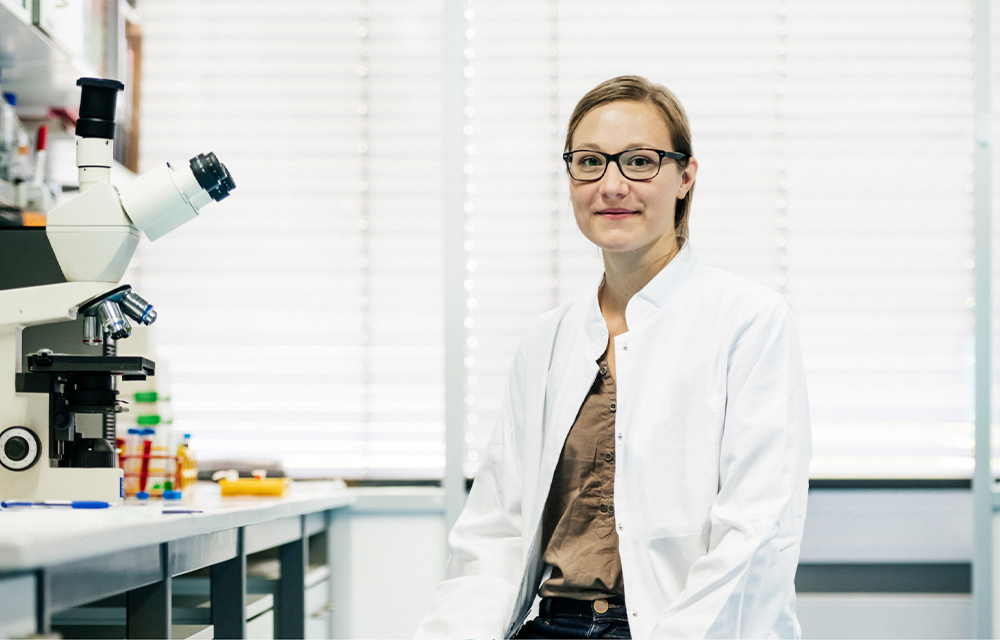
x: 621, y: 435
x: 624, y: 347
x: 635, y: 614
x: 621, y: 527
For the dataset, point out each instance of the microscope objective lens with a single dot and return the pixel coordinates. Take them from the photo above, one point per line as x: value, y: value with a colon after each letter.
x: 113, y: 322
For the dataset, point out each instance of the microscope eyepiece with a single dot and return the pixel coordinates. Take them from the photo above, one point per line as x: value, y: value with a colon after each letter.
x: 212, y: 175
x: 97, y: 107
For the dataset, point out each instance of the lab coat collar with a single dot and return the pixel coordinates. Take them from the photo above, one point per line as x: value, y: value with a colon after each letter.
x: 644, y: 304
x: 596, y: 328
x: 658, y: 291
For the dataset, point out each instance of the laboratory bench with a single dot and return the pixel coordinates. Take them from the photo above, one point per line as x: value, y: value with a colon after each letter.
x: 206, y: 566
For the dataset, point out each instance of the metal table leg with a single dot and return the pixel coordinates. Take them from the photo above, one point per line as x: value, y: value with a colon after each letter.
x: 148, y: 608
x: 290, y: 600
x: 229, y: 594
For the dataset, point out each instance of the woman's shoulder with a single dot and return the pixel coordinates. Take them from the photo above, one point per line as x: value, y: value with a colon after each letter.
x: 733, y: 291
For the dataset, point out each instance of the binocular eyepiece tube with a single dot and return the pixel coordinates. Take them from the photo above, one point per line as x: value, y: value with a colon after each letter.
x: 156, y: 202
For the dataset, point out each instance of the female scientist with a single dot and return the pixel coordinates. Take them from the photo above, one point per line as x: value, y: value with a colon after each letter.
x: 647, y: 476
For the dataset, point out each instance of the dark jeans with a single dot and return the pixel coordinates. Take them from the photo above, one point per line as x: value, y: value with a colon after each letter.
x: 565, y: 618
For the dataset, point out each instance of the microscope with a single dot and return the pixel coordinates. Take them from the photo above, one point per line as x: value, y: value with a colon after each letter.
x: 43, y: 395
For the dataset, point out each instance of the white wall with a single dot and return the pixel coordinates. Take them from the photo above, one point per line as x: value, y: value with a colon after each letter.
x: 394, y: 549
x: 881, y: 615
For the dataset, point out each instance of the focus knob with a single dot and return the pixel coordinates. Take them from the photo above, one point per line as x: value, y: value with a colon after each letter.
x: 20, y: 448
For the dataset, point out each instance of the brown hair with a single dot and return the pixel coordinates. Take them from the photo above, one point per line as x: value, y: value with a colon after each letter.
x: 639, y: 89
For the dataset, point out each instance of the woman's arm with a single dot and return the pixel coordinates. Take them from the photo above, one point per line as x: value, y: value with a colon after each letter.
x: 739, y: 588
x: 486, y: 562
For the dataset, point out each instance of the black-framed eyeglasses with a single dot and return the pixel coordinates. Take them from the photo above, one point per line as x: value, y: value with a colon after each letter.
x: 586, y: 165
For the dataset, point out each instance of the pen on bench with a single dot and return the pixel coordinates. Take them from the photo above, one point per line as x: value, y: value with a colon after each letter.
x: 75, y: 504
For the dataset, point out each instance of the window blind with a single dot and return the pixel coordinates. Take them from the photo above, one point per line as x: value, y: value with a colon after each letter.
x: 302, y: 318
x: 879, y: 153
x: 514, y: 210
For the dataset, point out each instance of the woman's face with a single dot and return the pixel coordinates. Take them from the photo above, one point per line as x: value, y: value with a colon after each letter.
x: 621, y: 215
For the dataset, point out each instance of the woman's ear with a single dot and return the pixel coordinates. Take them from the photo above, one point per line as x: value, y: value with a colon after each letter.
x: 687, y: 178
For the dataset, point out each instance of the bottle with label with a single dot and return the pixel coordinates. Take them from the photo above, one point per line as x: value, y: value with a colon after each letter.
x: 187, y: 465
x: 20, y: 171
x: 8, y: 136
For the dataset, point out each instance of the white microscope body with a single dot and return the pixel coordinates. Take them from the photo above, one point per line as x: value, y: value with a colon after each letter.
x: 93, y: 237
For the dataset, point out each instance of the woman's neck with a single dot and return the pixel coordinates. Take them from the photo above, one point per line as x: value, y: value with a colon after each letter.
x: 626, y: 274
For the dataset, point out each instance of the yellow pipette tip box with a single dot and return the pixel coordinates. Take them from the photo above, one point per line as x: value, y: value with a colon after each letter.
x: 254, y: 486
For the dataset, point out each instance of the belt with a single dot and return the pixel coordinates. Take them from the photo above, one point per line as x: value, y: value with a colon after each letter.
x: 569, y: 606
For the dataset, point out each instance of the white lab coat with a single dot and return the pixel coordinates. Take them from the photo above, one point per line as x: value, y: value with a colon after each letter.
x: 711, y: 473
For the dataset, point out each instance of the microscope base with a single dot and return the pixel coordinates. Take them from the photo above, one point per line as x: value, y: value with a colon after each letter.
x: 63, y: 483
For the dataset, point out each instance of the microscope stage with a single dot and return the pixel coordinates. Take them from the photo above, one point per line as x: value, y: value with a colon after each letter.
x: 115, y: 365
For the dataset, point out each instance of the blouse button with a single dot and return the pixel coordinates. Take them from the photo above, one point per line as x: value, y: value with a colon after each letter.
x: 611, y: 509
x: 614, y: 407
x: 608, y: 457
x: 604, y: 371
x: 604, y: 508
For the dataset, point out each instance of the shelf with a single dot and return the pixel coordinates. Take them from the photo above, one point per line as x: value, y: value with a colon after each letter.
x: 35, y: 67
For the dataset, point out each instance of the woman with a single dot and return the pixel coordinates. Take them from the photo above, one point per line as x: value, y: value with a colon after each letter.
x: 649, y: 469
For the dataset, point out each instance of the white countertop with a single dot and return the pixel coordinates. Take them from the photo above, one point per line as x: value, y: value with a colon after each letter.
x: 43, y: 536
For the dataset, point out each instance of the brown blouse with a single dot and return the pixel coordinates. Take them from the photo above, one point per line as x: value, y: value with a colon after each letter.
x: 578, y: 525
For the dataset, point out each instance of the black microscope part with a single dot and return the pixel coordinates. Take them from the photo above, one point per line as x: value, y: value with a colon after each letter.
x: 92, y: 453
x: 97, y: 107
x: 16, y: 448
x: 78, y: 384
x: 48, y: 363
x: 212, y: 175
x: 91, y: 393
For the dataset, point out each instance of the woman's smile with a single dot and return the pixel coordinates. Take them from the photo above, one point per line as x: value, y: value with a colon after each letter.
x: 617, y: 214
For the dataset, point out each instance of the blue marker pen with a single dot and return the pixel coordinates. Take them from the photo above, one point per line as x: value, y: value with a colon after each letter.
x: 74, y: 504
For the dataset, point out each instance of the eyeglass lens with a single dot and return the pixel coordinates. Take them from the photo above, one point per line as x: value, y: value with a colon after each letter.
x: 637, y: 164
